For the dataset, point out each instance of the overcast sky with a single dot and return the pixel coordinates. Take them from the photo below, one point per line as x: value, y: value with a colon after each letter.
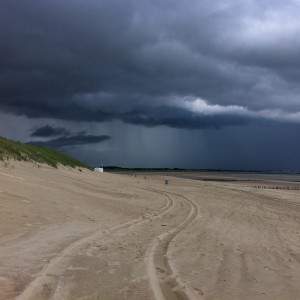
x: 195, y: 84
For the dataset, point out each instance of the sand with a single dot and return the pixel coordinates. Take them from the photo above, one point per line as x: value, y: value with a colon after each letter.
x: 70, y: 234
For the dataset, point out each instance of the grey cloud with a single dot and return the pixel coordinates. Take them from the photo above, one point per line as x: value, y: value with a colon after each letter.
x: 48, y: 131
x: 74, y: 140
x: 107, y: 60
x: 176, y: 117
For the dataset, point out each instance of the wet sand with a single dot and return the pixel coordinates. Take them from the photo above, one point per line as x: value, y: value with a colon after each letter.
x: 66, y: 234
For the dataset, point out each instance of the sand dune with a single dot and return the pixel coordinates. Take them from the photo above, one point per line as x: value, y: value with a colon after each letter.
x: 66, y: 234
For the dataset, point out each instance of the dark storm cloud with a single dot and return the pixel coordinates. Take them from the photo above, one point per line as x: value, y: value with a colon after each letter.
x: 65, y: 138
x: 179, y: 118
x: 137, y: 61
x: 48, y: 131
x: 74, y: 140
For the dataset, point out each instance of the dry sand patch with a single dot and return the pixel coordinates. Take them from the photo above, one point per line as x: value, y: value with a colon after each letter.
x: 67, y: 234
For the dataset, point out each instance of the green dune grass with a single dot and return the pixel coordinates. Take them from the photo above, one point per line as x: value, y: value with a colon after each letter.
x: 39, y: 154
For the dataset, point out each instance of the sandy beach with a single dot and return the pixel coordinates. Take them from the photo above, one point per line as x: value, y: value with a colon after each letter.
x: 76, y: 234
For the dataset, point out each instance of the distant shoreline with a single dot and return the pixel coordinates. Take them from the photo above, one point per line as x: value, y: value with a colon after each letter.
x: 121, y: 169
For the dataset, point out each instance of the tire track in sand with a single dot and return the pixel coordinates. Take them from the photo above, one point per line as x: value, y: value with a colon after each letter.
x: 164, y: 283
x: 57, y: 265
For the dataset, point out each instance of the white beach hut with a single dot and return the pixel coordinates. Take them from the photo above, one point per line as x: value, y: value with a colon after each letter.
x: 100, y: 170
